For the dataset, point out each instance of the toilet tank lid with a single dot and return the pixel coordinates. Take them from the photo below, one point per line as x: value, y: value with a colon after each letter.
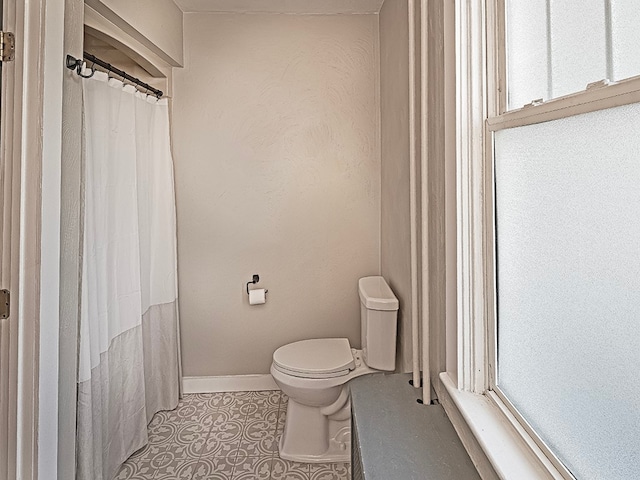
x: 375, y: 294
x: 316, y: 356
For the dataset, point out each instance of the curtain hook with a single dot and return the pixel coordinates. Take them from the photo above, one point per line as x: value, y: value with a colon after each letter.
x: 79, y: 72
x: 79, y: 69
x: 76, y: 64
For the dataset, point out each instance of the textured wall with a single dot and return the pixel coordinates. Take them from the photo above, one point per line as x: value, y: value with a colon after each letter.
x: 277, y: 173
x: 394, y: 125
x: 438, y: 89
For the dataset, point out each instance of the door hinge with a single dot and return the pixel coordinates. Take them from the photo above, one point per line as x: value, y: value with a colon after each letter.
x: 7, y: 46
x: 5, y: 303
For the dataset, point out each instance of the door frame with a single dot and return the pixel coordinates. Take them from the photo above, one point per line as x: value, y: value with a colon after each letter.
x: 9, y: 176
x: 34, y: 137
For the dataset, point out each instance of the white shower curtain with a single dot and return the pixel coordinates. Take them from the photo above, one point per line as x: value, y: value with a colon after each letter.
x: 129, y: 358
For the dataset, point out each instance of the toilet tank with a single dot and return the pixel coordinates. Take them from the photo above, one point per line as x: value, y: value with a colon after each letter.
x: 378, y: 316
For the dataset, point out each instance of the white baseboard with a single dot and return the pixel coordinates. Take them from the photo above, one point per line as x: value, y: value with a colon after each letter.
x: 229, y: 383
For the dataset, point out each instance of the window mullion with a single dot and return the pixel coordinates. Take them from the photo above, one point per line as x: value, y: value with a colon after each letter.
x: 608, y: 27
x: 549, y: 52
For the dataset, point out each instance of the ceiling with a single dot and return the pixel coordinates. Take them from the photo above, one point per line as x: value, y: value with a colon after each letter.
x: 281, y: 6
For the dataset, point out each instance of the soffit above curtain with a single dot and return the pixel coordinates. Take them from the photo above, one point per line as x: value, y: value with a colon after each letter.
x: 281, y: 6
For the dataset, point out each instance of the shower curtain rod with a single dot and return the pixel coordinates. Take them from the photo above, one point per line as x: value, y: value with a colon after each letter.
x: 76, y: 64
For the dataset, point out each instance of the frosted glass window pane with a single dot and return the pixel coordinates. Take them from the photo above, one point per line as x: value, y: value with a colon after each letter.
x: 578, y: 45
x: 625, y: 19
x: 526, y: 36
x: 568, y: 285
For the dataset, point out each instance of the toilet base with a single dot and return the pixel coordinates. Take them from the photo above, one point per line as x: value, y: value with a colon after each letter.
x: 312, y: 437
x: 339, y: 450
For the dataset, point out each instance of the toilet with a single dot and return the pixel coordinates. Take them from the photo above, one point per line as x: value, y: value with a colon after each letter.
x: 315, y: 375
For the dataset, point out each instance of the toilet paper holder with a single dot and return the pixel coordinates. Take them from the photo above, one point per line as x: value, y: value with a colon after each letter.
x: 256, y: 279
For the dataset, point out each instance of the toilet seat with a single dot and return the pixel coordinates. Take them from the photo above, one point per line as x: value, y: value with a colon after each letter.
x: 315, y: 358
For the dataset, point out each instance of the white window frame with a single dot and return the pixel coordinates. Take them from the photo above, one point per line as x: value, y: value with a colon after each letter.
x: 480, y: 112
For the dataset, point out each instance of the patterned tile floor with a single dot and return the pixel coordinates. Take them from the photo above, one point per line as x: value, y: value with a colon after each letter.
x: 222, y: 436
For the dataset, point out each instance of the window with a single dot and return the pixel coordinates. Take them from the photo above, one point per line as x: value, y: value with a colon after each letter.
x: 566, y: 230
x: 556, y: 47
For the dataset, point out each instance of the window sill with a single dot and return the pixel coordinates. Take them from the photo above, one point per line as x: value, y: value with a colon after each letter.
x: 510, y: 450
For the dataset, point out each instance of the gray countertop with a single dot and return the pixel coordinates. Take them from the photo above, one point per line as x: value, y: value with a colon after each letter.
x: 400, y: 439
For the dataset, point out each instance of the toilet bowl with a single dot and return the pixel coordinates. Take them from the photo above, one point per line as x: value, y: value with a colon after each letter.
x: 315, y: 373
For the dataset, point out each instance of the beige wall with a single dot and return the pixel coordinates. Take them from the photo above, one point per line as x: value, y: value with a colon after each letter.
x: 394, y: 147
x: 277, y: 173
x: 157, y: 24
x: 436, y: 174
